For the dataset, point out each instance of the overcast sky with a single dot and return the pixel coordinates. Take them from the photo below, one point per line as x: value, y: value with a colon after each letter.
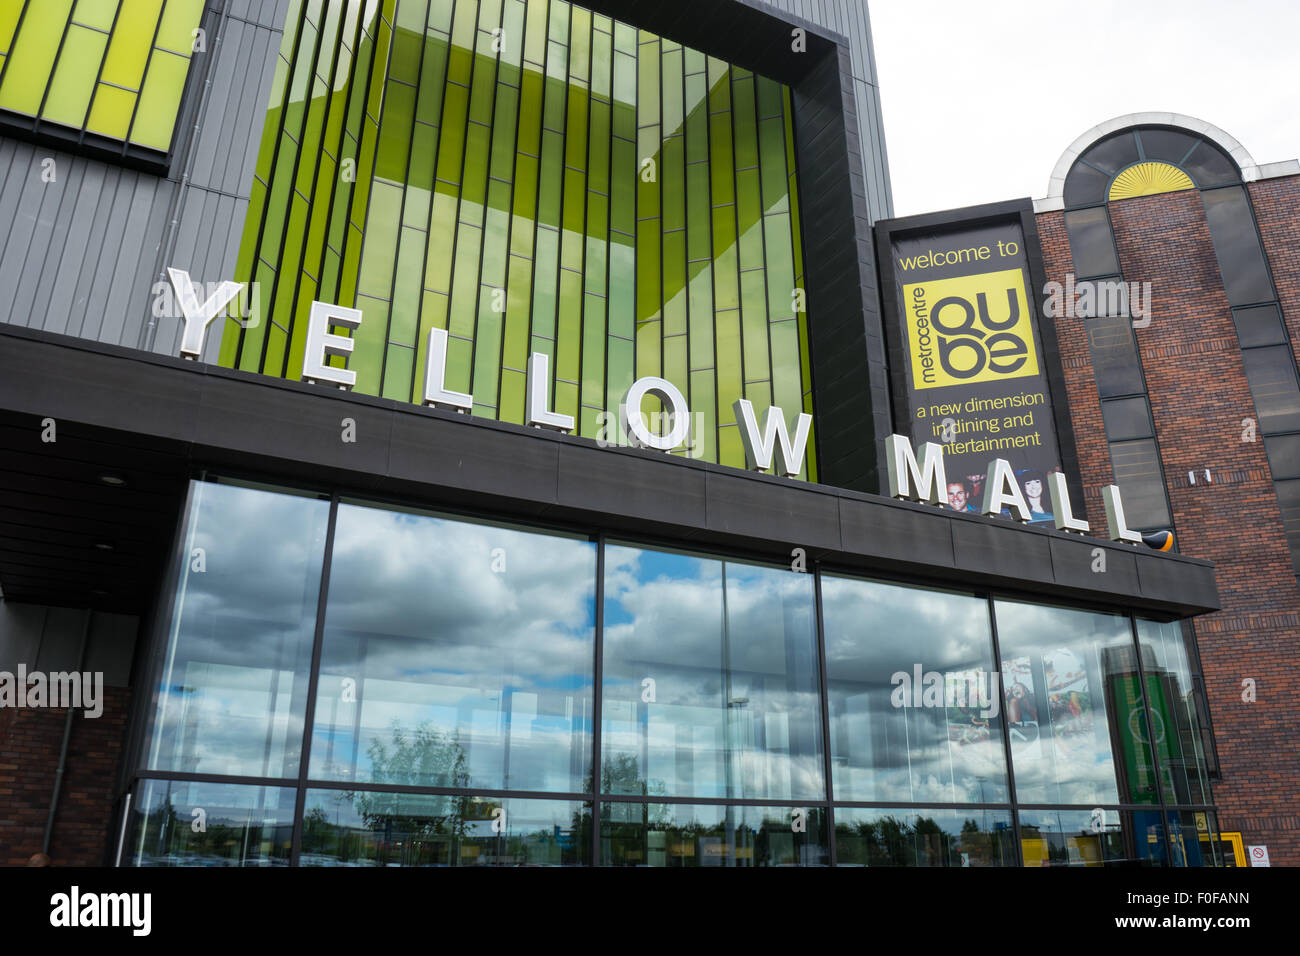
x: 981, y: 97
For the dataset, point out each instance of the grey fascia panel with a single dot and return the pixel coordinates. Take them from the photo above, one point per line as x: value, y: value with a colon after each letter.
x: 219, y: 417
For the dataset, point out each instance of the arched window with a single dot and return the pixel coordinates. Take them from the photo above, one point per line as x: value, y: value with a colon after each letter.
x: 1144, y: 161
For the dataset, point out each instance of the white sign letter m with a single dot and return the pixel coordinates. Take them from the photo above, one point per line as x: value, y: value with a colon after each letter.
x: 925, y: 482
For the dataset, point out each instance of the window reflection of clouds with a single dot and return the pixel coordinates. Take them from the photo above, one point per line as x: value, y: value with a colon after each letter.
x: 1071, y: 760
x: 233, y: 696
x: 898, y: 754
x: 470, y: 647
x: 751, y: 731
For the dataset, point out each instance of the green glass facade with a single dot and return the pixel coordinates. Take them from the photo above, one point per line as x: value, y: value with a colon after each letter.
x: 531, y: 177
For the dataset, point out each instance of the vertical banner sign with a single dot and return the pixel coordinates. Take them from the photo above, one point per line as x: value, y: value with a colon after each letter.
x: 972, y: 358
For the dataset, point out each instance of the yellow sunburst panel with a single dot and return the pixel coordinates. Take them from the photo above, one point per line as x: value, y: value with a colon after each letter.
x: 1147, y: 179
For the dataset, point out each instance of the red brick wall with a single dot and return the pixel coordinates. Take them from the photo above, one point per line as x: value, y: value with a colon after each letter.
x: 30, y: 739
x: 1199, y: 396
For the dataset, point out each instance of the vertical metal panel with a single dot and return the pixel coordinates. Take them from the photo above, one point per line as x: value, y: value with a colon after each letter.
x: 851, y: 19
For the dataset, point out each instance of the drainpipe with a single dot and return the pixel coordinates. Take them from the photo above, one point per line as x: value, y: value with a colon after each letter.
x: 168, y: 244
x: 67, y: 735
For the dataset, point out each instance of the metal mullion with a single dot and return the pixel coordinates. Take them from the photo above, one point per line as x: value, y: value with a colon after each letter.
x: 18, y: 29
x: 762, y: 238
x: 537, y: 179
x: 827, y: 760
x: 58, y: 53
x: 586, y: 212
x: 240, y: 779
x: 711, y: 801
x: 920, y: 805
x: 510, y: 198
x: 609, y: 228
x: 361, y: 138
x: 686, y: 226
x: 713, y: 270
x: 313, y: 682
x: 353, y: 785
x: 275, y: 154
x: 659, y: 186
x: 1006, y: 736
x: 735, y: 215
x: 343, y: 133
x: 401, y: 222
x: 293, y: 178
x: 559, y: 226
x: 99, y: 73
x: 350, y: 786
x: 315, y: 180
x: 586, y: 177
x: 487, y: 192
x: 144, y: 75
x: 597, y: 696
x: 460, y: 184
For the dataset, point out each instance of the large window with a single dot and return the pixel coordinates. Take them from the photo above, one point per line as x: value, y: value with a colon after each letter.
x: 486, y: 694
x: 232, y: 696
x: 710, y: 683
x: 455, y: 654
x: 914, y: 705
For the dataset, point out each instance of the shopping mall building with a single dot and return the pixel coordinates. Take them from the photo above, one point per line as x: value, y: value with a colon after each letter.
x: 460, y: 432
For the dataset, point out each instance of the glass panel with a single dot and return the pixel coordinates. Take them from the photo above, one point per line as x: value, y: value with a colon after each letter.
x: 1091, y: 243
x: 1272, y: 377
x: 1195, y: 840
x: 1085, y: 186
x: 1067, y: 676
x: 1126, y: 418
x: 1114, y: 152
x: 1097, y: 837
x: 1114, y: 356
x: 711, y: 679
x: 924, y: 837
x: 1166, y: 145
x: 1175, y: 715
x: 1236, y: 244
x: 1261, y: 325
x: 474, y: 670
x: 1283, y: 455
x: 1210, y: 166
x: 914, y: 720
x: 1136, y: 465
x: 365, y: 828
x: 179, y: 823
x: 233, y: 692
x: 681, y: 835
x: 1288, y: 497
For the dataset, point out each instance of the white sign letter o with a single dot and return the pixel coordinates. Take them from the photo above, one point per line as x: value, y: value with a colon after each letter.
x: 677, y: 409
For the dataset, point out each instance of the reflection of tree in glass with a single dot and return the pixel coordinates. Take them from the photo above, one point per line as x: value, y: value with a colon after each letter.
x: 433, y: 825
x: 890, y: 841
x: 425, y: 758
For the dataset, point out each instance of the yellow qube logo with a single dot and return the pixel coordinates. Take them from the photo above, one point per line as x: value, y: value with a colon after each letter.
x: 969, y: 329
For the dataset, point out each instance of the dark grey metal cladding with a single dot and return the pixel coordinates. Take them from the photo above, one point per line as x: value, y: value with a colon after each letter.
x: 846, y: 345
x: 209, y: 417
